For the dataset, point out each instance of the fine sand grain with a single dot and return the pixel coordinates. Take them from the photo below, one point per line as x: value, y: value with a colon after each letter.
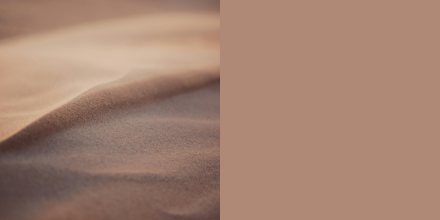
x: 113, y: 119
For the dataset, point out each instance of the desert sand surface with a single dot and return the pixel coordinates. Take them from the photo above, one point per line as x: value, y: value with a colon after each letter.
x: 114, y: 115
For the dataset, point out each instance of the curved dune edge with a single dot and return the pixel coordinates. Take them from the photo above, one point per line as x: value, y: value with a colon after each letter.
x: 42, y: 72
x: 116, y: 95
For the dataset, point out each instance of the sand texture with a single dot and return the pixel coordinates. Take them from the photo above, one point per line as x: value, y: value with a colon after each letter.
x: 112, y: 119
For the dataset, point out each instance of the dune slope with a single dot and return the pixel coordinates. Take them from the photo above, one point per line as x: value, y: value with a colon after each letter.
x: 112, y: 120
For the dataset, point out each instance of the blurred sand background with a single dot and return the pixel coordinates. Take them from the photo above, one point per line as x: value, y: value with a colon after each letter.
x: 109, y: 109
x: 21, y: 17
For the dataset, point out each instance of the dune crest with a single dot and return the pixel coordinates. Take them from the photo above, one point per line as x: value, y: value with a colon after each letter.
x: 118, y: 119
x: 101, y: 99
x: 43, y: 74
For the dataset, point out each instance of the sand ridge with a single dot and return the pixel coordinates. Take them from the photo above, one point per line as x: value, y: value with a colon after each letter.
x: 44, y: 71
x: 118, y: 119
x: 107, y: 97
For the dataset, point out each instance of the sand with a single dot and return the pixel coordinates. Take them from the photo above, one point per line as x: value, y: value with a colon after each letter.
x: 112, y: 119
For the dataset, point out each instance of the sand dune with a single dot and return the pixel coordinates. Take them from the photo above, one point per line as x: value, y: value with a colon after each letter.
x: 116, y: 119
x: 74, y: 60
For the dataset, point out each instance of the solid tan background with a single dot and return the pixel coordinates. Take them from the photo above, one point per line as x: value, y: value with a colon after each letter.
x: 330, y: 110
